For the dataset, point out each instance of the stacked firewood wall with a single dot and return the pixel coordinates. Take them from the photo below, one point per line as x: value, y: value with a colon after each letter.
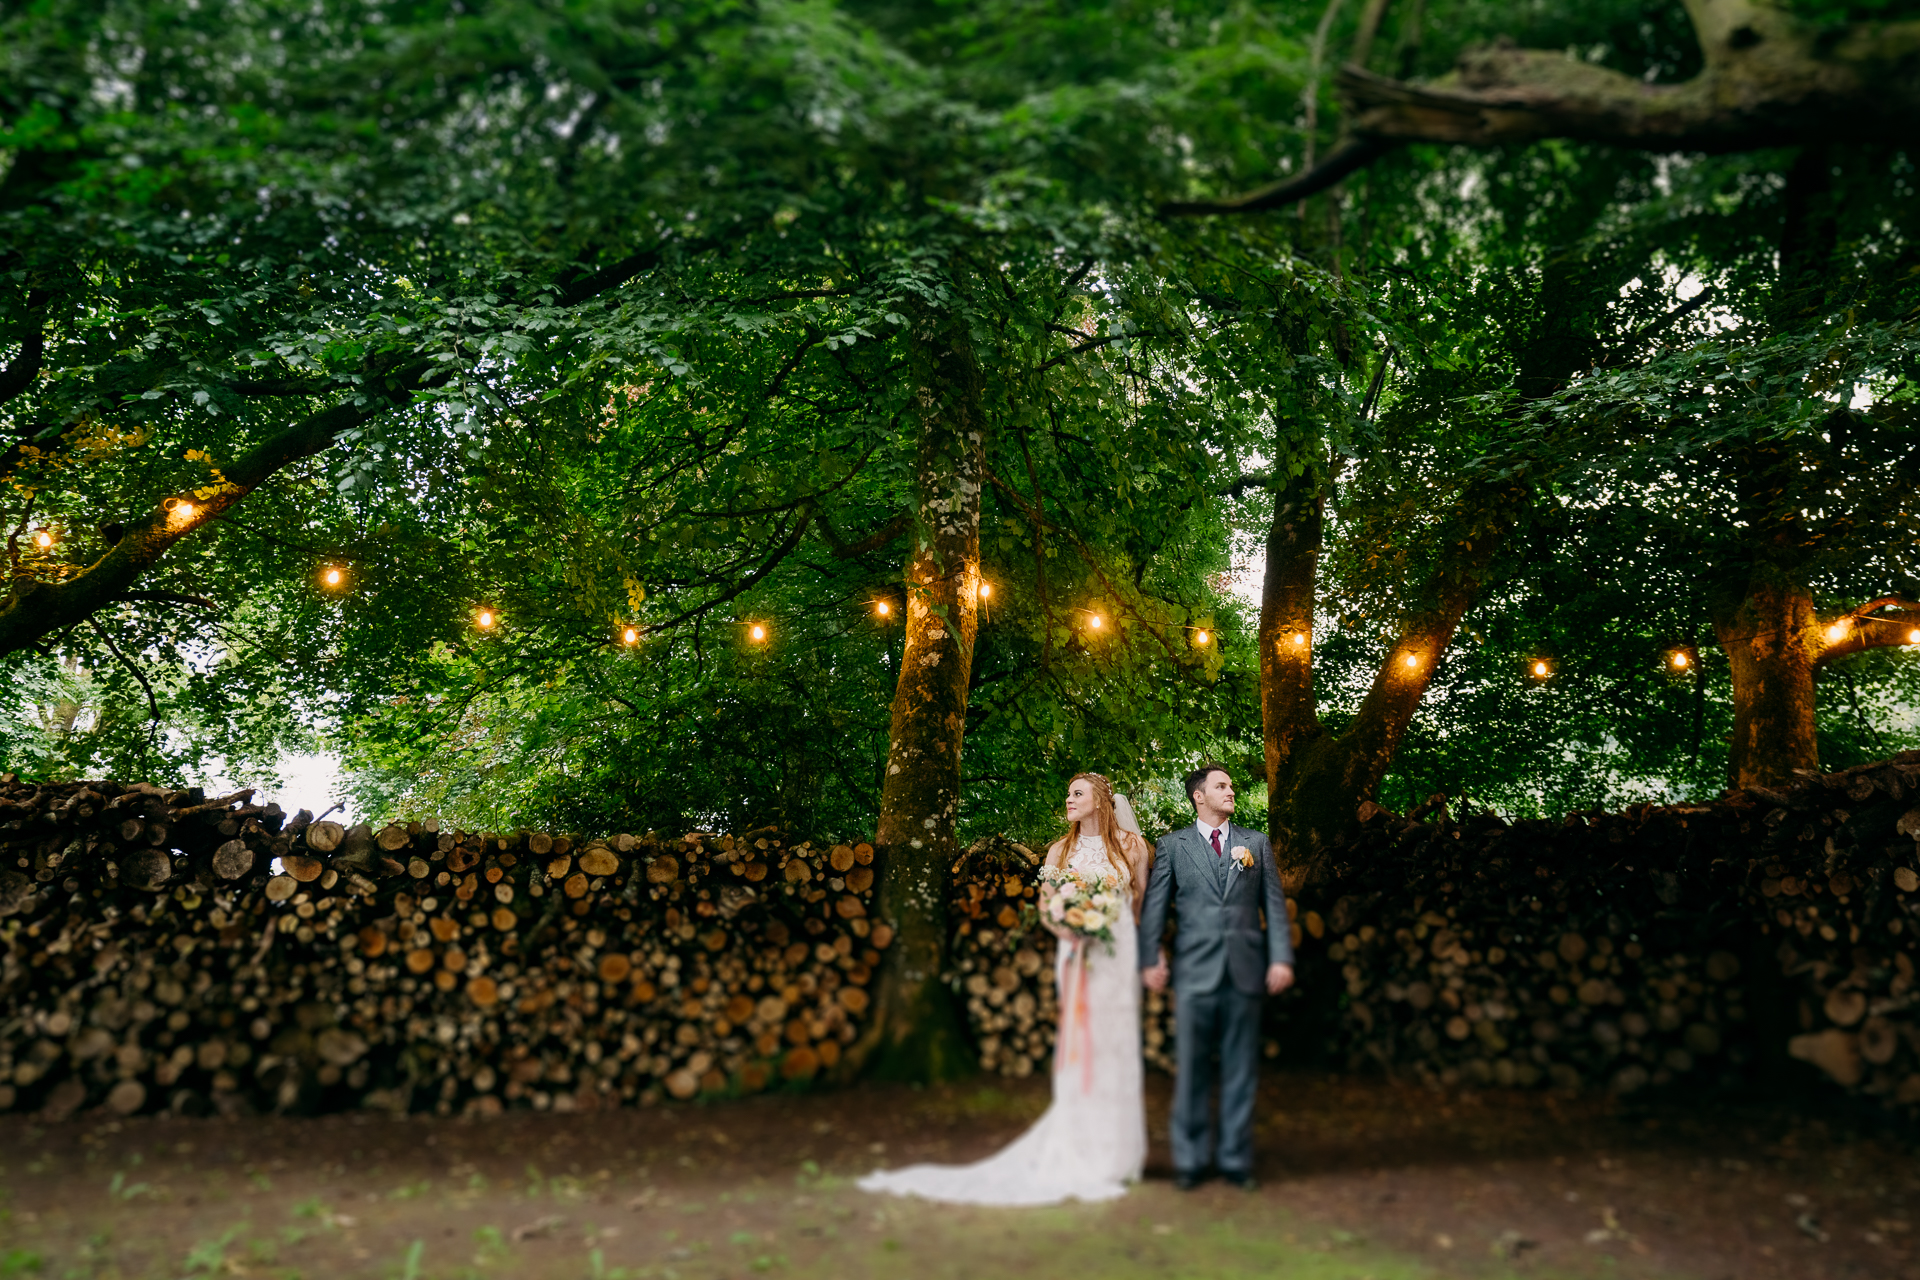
x: 1682, y: 945
x: 152, y: 958
x: 165, y: 950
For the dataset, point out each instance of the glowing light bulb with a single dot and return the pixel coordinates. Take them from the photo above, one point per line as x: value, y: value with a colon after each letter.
x: 1200, y: 637
x: 1540, y: 669
x: 759, y: 632
x: 986, y: 589
x: 184, y: 511
x: 1412, y: 660
x: 331, y: 577
x: 1913, y: 637
x: 1836, y: 633
x: 630, y: 636
x: 883, y: 608
x: 1095, y: 622
x: 486, y: 618
x: 42, y: 538
x: 1299, y: 637
x: 1680, y: 661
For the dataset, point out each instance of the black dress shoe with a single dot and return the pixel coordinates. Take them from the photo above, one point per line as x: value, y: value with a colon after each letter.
x: 1188, y: 1179
x: 1241, y: 1179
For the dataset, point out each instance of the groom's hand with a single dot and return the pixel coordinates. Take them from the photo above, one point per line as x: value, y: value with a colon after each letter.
x: 1156, y: 977
x: 1279, y: 978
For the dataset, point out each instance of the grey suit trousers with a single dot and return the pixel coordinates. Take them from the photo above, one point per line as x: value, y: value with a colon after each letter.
x: 1225, y: 1019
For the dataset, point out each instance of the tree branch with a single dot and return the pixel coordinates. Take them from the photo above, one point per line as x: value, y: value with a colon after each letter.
x: 1253, y: 480
x: 1770, y: 80
x: 166, y: 597
x: 1344, y: 160
x: 153, y: 704
x: 741, y: 587
x: 1859, y: 633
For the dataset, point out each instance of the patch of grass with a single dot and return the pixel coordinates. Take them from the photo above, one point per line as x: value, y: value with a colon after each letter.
x: 120, y: 1189
x: 209, y: 1257
x: 20, y: 1262
x: 491, y: 1246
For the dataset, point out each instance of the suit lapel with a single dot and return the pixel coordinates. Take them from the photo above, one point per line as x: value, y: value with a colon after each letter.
x: 1201, y: 856
x: 1233, y: 867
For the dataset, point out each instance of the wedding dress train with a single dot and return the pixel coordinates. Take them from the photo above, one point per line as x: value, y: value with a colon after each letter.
x: 1092, y: 1140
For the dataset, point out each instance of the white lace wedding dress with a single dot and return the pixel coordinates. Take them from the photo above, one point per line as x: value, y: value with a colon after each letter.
x: 1092, y: 1140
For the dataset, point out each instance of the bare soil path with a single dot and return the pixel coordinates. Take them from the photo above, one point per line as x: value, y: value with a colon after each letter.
x: 1359, y: 1179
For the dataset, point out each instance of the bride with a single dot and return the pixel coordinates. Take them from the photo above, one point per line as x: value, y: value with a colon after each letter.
x: 1092, y: 1140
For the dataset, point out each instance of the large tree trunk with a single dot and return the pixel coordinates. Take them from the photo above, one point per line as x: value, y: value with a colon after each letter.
x: 1287, y: 715
x: 917, y: 1033
x: 1773, y: 643
x: 1316, y: 792
x: 1771, y: 638
x: 1332, y: 775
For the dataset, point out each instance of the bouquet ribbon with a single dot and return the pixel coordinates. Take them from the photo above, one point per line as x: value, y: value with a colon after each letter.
x: 1076, y: 1033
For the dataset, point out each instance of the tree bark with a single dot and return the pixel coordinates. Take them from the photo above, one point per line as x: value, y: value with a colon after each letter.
x: 1288, y: 719
x: 917, y: 1032
x: 1772, y: 643
x: 1769, y: 633
x: 1330, y: 775
x: 1322, y: 779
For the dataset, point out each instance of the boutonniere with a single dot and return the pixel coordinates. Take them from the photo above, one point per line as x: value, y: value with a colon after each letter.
x: 1243, y: 856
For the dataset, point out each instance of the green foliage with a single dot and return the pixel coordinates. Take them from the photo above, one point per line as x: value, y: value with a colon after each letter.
x: 615, y: 301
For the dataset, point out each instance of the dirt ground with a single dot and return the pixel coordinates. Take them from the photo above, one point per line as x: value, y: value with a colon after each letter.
x: 1358, y: 1179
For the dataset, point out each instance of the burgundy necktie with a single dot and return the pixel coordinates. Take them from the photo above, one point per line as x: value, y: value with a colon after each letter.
x: 1216, y: 842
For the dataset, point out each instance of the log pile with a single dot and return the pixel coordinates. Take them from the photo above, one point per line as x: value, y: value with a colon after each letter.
x: 1831, y: 882
x: 1662, y: 945
x: 166, y: 950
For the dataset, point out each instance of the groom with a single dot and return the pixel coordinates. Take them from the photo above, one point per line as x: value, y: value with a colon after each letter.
x: 1224, y: 877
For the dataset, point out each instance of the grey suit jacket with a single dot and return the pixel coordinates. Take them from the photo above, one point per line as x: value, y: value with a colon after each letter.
x: 1220, y: 902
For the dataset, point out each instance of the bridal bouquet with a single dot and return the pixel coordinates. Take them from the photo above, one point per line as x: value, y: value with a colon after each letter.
x: 1084, y: 908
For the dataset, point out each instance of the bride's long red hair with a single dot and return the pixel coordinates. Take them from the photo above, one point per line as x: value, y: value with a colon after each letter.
x: 1104, y: 826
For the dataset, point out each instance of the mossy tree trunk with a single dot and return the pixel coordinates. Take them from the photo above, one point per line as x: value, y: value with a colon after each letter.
x: 917, y: 1033
x: 1772, y: 641
x: 1316, y: 780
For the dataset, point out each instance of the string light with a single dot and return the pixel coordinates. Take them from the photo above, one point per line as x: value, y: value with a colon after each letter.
x: 757, y: 633
x: 986, y: 589
x: 883, y: 609
x: 42, y: 539
x: 183, y: 510
x: 1200, y: 637
x: 332, y: 576
x: 1412, y: 660
x: 1299, y: 638
x: 485, y: 619
x: 630, y: 635
x: 1541, y: 670
x: 1681, y: 661
x: 1837, y: 632
x: 1096, y: 622
x: 1913, y: 637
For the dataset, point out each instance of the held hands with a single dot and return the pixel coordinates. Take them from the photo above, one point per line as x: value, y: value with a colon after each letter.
x: 1156, y: 977
x: 1279, y: 977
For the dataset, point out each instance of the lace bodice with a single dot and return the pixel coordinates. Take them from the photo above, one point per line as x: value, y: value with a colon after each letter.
x: 1089, y: 858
